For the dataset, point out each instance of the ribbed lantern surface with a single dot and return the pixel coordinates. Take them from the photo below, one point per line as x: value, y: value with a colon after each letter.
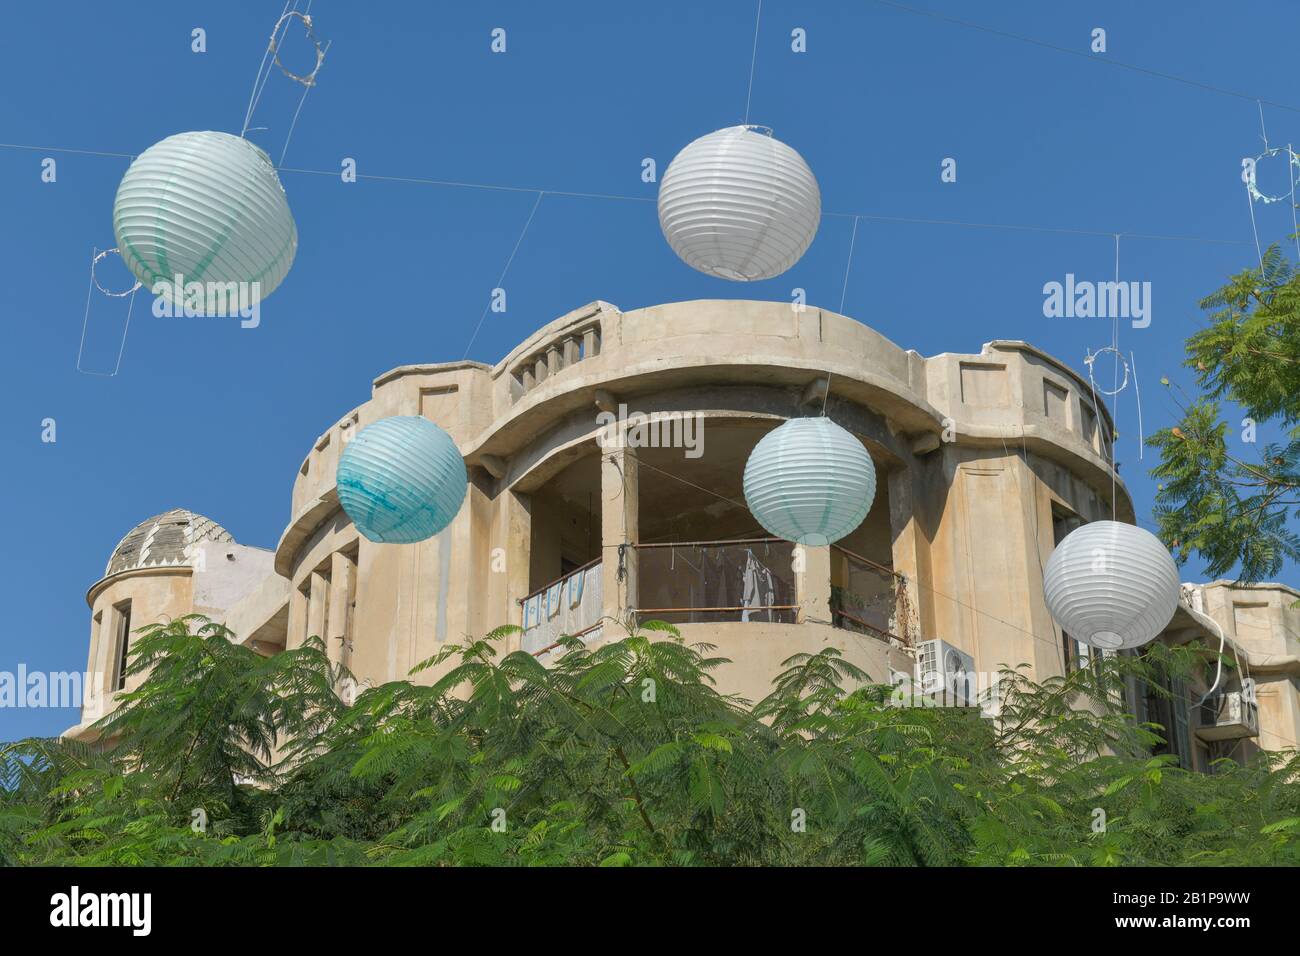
x: 401, y: 480
x: 739, y: 204
x: 1111, y: 585
x: 809, y: 481
x: 209, y: 207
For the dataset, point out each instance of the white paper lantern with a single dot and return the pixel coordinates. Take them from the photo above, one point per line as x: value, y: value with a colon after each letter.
x: 1111, y: 585
x: 401, y: 480
x: 809, y: 481
x: 739, y: 204
x: 208, y: 207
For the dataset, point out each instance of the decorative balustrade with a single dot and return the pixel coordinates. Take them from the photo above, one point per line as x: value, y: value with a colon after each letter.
x: 567, y: 348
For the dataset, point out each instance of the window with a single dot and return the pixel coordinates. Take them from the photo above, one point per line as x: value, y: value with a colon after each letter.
x: 1090, y: 426
x: 350, y: 596
x: 1055, y: 401
x: 123, y: 614
x: 1169, y: 710
x: 96, y: 635
x: 1074, y: 656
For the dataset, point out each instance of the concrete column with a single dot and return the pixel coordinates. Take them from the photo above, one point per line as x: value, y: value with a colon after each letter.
x: 619, y: 525
x: 297, y: 619
x: 910, y: 552
x: 98, y: 690
x: 572, y: 347
x: 317, y: 600
x: 342, y: 585
x: 516, y: 539
x: 813, y: 584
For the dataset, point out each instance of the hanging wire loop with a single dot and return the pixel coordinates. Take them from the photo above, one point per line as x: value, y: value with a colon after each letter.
x: 112, y: 295
x: 1293, y: 160
x: 273, y: 48
x: 1119, y: 357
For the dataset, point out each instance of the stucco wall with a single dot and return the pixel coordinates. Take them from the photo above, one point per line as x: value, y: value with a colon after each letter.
x: 975, y: 455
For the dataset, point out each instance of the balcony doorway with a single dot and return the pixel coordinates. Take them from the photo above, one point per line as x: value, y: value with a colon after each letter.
x: 564, y: 570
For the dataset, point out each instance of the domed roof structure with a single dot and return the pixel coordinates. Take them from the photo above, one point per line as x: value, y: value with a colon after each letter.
x: 165, y: 540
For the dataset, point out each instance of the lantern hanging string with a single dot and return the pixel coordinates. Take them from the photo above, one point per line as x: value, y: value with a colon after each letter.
x: 753, y: 59
x: 844, y: 290
x: 1117, y: 387
x: 1097, y: 407
x: 308, y: 80
x: 263, y: 74
x: 502, y: 278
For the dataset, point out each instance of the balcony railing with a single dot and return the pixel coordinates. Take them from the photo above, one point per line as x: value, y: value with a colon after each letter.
x: 567, y: 348
x: 696, y: 582
x: 570, y: 605
x: 868, y: 597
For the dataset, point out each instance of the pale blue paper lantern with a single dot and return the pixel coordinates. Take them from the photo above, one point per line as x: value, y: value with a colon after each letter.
x: 809, y: 481
x: 401, y: 480
x: 208, y: 207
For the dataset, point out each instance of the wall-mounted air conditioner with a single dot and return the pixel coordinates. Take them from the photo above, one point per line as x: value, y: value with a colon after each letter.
x: 946, y: 674
x: 1228, y: 716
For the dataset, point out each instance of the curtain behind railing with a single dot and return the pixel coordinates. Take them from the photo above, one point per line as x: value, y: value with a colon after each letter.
x: 712, y: 581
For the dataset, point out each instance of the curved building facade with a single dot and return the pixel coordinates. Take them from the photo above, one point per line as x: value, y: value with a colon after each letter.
x: 606, y: 455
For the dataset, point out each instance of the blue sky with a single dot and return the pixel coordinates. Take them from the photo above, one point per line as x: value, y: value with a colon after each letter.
x: 208, y: 416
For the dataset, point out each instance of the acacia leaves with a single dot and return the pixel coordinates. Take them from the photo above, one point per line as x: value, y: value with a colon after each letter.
x: 623, y: 754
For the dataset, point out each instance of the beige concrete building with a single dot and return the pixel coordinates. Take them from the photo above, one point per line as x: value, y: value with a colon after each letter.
x: 984, y: 462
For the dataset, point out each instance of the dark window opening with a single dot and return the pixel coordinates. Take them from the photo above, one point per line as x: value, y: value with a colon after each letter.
x: 123, y: 641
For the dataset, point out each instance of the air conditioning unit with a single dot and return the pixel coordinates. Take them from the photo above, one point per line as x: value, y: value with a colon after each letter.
x: 1228, y: 716
x: 945, y: 674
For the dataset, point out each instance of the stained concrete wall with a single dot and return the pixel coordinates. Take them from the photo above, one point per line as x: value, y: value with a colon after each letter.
x: 976, y: 449
x: 156, y: 596
x: 975, y: 454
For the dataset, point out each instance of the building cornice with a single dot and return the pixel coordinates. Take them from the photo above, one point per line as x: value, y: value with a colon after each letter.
x: 159, y: 570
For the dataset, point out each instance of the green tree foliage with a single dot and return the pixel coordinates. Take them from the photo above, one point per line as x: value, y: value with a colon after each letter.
x: 621, y: 754
x: 1234, y: 502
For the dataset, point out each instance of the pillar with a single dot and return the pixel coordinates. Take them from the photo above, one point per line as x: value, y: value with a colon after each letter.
x: 619, y: 530
x: 317, y: 602
x: 297, y: 619
x: 343, y: 589
x: 910, y: 552
x: 812, y: 584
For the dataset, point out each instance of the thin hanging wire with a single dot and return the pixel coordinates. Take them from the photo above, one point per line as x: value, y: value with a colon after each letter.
x: 1114, y: 344
x: 307, y: 88
x: 95, y: 256
x: 1137, y: 392
x: 844, y: 290
x: 753, y: 59
x: 272, y: 53
x: 259, y: 82
x: 1250, y: 203
x: 1250, y: 199
x: 1293, y: 173
x: 502, y: 278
